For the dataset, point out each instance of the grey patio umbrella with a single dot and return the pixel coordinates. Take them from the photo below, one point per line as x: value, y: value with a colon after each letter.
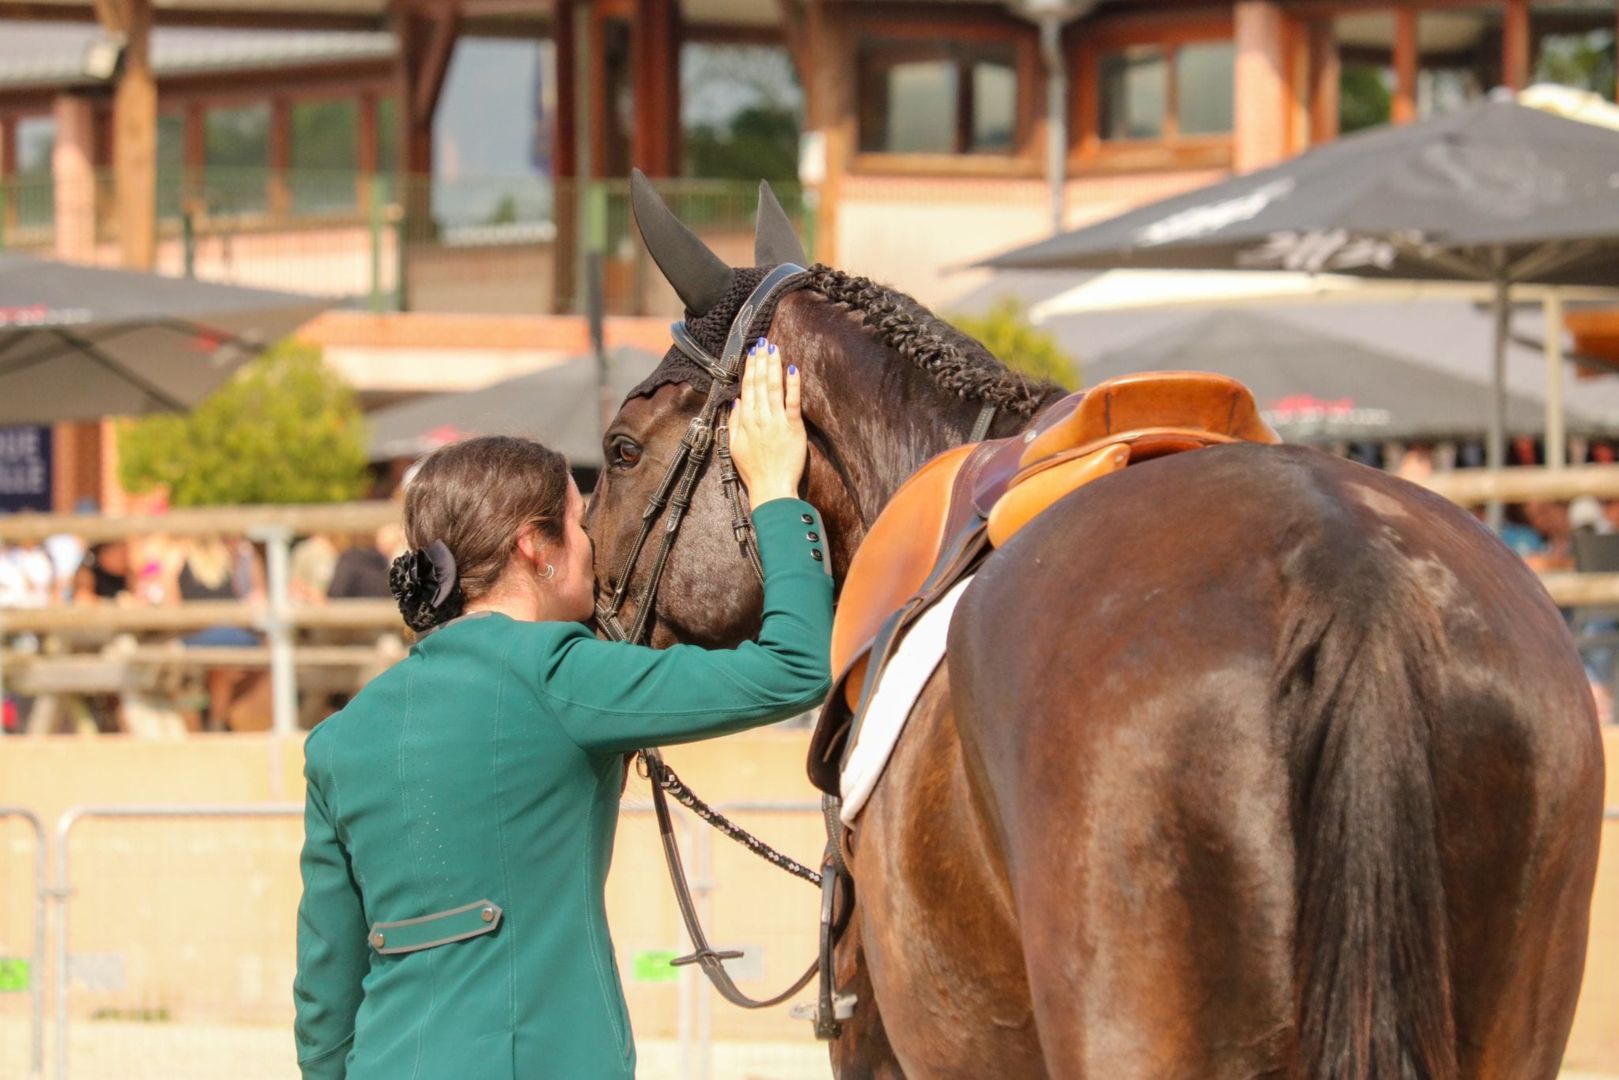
x: 80, y: 342
x: 1494, y: 192
x: 556, y: 405
x: 1320, y: 387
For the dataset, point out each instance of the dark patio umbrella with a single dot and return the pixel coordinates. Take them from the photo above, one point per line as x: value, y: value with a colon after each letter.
x: 79, y: 342
x: 556, y: 405
x: 1494, y: 192
x: 1320, y: 387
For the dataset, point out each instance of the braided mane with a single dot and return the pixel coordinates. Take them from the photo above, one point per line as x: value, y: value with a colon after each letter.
x: 954, y: 361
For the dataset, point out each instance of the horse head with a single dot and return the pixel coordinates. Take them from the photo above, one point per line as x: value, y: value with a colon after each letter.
x: 887, y: 385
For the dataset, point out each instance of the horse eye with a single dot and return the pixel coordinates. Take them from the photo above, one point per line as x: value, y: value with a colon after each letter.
x: 624, y: 453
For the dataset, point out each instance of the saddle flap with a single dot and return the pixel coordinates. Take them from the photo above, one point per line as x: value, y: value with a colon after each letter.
x: 1051, y: 480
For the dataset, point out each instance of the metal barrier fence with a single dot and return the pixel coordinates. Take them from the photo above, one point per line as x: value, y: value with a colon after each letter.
x: 22, y: 937
x: 171, y: 953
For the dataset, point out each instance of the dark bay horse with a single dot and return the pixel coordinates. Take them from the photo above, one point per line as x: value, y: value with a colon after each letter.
x: 1245, y: 762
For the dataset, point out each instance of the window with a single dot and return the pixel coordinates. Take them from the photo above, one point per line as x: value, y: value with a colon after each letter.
x: 1157, y: 91
x: 36, y: 140
x: 1458, y: 58
x: 1365, y: 43
x: 928, y: 97
x: 741, y: 111
x: 325, y: 154
x: 1573, y: 44
x: 171, y: 164
x: 237, y: 155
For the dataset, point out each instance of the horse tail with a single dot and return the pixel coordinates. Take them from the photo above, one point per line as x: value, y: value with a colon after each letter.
x: 1372, y: 960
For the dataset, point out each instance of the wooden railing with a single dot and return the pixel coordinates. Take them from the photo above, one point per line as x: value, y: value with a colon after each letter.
x: 278, y: 619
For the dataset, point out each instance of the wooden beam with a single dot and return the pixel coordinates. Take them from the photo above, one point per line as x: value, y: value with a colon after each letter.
x: 1570, y: 589
x: 1515, y: 44
x: 301, y: 520
x: 236, y: 19
x: 444, y: 26
x: 565, y: 155
x: 1475, y: 487
x: 198, y: 615
x: 369, y: 150
x: 1404, y: 107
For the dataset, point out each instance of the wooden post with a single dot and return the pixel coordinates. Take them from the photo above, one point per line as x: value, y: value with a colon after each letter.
x: 8, y: 169
x: 1325, y: 76
x: 655, y: 52
x: 135, y: 135
x: 564, y: 156
x: 74, y: 177
x: 1262, y: 86
x: 426, y: 39
x: 369, y: 150
x: 830, y: 86
x: 1515, y: 44
x: 1404, y: 108
x: 278, y: 192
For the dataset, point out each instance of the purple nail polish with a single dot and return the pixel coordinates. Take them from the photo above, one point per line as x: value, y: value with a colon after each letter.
x: 772, y: 349
x: 792, y: 369
x: 762, y: 343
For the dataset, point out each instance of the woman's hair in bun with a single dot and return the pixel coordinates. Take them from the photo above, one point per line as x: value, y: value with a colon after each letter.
x: 463, y: 511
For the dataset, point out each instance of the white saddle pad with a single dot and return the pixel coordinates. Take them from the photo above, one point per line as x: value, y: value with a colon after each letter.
x: 911, y: 664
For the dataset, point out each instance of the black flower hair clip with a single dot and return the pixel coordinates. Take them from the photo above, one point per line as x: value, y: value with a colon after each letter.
x: 424, y: 583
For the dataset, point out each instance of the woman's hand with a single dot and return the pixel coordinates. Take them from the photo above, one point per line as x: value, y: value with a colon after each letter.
x: 767, y: 428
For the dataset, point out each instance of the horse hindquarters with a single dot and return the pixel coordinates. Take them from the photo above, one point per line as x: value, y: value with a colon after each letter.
x: 1143, y: 815
x: 1302, y: 782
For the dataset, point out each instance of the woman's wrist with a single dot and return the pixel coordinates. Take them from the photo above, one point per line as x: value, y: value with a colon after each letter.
x: 764, y: 493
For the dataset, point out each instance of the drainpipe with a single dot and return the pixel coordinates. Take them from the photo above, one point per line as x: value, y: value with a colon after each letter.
x: 1051, y: 16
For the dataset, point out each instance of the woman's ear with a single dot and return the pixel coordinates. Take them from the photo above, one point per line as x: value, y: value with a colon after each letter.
x: 530, y: 545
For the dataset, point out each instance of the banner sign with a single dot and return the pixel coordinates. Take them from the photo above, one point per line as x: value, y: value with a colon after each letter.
x: 25, y: 468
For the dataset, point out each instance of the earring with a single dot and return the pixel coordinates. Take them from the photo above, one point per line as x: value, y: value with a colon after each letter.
x: 550, y: 572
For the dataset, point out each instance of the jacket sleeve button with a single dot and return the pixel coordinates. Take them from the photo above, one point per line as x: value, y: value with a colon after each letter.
x: 812, y: 537
x: 377, y: 941
x: 815, y: 553
x: 487, y: 914
x: 807, y: 519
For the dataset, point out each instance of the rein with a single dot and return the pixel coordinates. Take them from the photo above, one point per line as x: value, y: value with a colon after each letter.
x: 709, y: 436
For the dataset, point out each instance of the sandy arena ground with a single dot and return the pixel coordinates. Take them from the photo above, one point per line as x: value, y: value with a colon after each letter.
x: 120, y: 1050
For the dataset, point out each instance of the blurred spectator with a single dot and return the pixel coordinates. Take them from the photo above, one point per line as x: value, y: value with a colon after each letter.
x: 1416, y: 464
x: 1551, y: 521
x: 213, y: 569
x: 314, y: 561
x: 27, y: 578
x: 104, y: 574
x: 1586, y: 514
x: 362, y: 570
x: 67, y: 554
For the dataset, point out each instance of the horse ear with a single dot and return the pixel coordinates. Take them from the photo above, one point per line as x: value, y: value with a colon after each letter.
x: 699, y: 276
x: 774, y: 241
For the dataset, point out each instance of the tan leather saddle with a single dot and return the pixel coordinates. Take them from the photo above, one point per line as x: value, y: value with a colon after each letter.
x: 968, y: 500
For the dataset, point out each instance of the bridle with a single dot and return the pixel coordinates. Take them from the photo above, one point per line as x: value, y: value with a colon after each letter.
x: 708, y: 436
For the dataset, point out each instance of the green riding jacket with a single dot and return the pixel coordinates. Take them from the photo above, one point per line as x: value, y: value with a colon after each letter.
x: 459, y: 825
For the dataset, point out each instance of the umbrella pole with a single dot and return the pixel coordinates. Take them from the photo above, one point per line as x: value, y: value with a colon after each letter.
x: 1556, y: 439
x: 1496, y: 448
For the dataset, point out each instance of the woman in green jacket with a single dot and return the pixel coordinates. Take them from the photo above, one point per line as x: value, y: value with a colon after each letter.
x: 461, y: 810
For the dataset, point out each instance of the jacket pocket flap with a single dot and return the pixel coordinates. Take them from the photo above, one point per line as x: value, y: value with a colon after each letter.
x: 441, y: 928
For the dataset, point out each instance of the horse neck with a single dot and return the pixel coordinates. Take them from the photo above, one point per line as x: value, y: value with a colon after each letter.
x: 876, y: 419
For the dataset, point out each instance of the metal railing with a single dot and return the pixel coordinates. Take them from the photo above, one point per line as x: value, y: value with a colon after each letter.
x: 36, y: 971
x: 476, y: 244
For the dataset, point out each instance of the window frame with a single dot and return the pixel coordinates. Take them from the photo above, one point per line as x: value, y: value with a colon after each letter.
x: 1089, y: 152
x: 966, y: 28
